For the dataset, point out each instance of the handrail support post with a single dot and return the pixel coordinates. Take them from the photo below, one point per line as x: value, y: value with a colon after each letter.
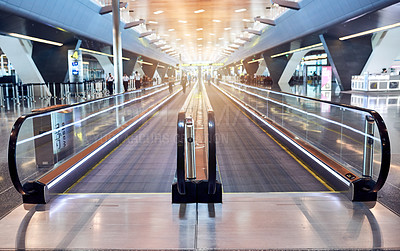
x: 368, y: 147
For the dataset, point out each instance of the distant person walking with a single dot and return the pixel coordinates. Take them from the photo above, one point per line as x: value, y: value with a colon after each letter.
x: 110, y: 83
x: 183, y: 82
x: 125, y: 81
x: 137, y: 80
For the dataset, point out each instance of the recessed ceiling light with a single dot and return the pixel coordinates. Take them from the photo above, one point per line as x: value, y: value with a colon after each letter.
x: 178, y: 39
x: 221, y: 38
x: 212, y: 34
x: 216, y: 21
x: 209, y: 42
x: 158, y: 12
x: 227, y: 28
x: 152, y: 22
x: 199, y: 29
x: 246, y: 20
x: 200, y: 38
x: 182, y: 21
x: 199, y: 11
x: 171, y: 29
x: 199, y: 45
x: 240, y: 10
x: 188, y: 35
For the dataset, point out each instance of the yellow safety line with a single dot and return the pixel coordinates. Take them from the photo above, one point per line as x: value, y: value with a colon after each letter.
x: 288, y: 151
x: 87, y: 173
x: 286, y: 192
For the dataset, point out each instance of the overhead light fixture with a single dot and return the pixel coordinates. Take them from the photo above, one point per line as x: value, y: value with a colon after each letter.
x: 108, y: 8
x: 216, y: 21
x: 178, y: 39
x: 370, y: 31
x: 287, y: 4
x: 40, y: 40
x: 245, y: 39
x: 187, y: 35
x: 101, y: 53
x: 246, y: 20
x: 134, y: 23
x: 240, y: 10
x: 158, y: 12
x: 182, y: 21
x: 154, y: 40
x: 221, y: 38
x: 200, y: 38
x: 147, y: 33
x: 296, y: 50
x: 227, y: 28
x: 199, y: 11
x: 152, y: 22
x: 265, y: 21
x: 235, y: 46
x: 255, y: 32
x: 171, y: 29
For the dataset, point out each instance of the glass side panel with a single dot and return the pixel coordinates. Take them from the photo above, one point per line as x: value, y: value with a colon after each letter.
x: 47, y: 140
x: 336, y: 131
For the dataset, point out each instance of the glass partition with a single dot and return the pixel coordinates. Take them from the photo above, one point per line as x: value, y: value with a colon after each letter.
x: 343, y: 133
x: 47, y: 139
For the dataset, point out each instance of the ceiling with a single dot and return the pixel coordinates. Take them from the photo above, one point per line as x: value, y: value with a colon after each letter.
x: 195, y: 31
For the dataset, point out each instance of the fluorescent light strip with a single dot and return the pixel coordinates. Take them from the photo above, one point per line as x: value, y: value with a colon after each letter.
x: 199, y: 11
x: 296, y: 50
x: 100, y: 53
x: 370, y: 31
x: 59, y: 178
x: 257, y: 60
x: 90, y: 116
x: 144, y: 62
x: 287, y: 138
x: 40, y: 40
x: 299, y: 110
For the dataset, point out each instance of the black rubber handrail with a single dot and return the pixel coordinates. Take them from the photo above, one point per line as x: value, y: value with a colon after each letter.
x: 12, y: 145
x: 212, y: 158
x: 383, y: 133
x: 180, y: 164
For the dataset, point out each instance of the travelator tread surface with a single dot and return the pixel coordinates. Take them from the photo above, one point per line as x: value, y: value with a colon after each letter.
x: 143, y: 163
x: 251, y: 161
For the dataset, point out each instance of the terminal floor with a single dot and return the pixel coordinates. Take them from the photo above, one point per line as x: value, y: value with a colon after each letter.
x: 273, y: 221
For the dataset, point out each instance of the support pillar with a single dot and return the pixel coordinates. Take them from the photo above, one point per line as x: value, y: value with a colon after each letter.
x: 117, y: 47
x: 276, y: 66
x: 347, y: 57
x: 385, y: 51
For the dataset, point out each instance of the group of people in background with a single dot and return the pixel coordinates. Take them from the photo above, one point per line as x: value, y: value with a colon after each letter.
x: 125, y: 80
x: 142, y: 81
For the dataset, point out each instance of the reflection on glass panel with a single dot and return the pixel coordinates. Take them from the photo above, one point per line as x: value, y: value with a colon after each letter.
x: 336, y: 131
x: 47, y: 140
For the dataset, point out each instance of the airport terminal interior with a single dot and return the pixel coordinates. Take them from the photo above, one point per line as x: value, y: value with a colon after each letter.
x: 200, y: 125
